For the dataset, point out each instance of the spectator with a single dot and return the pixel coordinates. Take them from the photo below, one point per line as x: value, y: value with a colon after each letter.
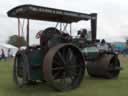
x: 3, y: 54
x: 9, y: 53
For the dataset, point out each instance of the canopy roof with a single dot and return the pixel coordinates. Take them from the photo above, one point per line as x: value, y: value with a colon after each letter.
x: 47, y: 14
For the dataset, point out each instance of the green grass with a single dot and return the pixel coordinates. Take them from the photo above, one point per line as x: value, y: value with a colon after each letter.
x: 89, y: 86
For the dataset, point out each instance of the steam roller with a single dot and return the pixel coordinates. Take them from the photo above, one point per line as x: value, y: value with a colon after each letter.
x: 60, y: 59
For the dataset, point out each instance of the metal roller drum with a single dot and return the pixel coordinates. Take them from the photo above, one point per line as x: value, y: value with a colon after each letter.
x: 107, y: 66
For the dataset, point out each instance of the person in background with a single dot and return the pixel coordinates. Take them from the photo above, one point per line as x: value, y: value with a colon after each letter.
x: 3, y: 54
x: 9, y: 53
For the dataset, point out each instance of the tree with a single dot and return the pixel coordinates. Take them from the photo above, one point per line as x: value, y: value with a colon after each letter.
x: 14, y: 40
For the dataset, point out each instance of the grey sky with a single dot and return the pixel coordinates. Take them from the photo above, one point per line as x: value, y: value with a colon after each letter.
x: 112, y: 16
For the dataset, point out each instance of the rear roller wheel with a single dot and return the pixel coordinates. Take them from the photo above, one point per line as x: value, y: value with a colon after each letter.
x: 19, y: 71
x: 64, y: 67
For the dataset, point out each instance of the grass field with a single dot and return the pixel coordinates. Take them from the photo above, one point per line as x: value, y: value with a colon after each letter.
x: 89, y: 86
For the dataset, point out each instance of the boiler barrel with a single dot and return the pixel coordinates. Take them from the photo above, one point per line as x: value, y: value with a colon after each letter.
x: 106, y: 66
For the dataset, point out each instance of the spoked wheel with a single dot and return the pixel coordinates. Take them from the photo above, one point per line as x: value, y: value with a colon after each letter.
x: 64, y: 67
x: 114, y: 68
x: 19, y: 72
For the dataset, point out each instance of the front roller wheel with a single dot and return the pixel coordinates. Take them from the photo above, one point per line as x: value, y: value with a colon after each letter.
x: 107, y: 66
x: 19, y: 69
x: 113, y: 68
x: 64, y: 67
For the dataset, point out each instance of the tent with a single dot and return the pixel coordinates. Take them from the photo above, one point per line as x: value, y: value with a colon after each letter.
x: 6, y: 47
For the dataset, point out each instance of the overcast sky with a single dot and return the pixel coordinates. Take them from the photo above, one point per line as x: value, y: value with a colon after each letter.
x: 112, y: 17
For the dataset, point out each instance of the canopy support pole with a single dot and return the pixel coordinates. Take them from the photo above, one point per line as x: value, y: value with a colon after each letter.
x: 27, y: 35
x: 70, y: 28
x: 22, y: 34
x: 19, y: 33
